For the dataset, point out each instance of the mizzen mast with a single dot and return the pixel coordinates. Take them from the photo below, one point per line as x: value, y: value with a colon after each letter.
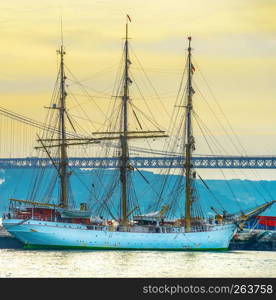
x: 189, y: 144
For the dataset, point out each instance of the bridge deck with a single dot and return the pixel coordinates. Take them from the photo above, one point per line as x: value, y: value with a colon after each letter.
x: 212, y: 162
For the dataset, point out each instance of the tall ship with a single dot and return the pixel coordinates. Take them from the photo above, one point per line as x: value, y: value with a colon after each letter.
x: 50, y: 224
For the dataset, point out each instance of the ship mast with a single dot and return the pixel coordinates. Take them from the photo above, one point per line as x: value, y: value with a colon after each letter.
x: 62, y: 142
x: 189, y: 146
x: 124, y: 137
x: 62, y: 132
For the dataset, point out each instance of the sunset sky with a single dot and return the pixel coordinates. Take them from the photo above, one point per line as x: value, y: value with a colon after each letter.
x: 234, y: 47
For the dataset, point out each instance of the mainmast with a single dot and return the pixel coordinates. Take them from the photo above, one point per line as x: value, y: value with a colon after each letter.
x: 62, y: 132
x: 189, y: 146
x: 124, y: 144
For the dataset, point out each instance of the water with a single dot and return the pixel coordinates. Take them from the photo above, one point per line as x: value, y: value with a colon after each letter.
x: 138, y: 264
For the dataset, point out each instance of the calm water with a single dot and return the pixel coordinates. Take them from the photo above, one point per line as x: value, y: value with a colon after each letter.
x: 22, y: 263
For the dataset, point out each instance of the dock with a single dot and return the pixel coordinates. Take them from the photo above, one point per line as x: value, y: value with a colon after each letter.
x: 7, y: 241
x: 259, y: 246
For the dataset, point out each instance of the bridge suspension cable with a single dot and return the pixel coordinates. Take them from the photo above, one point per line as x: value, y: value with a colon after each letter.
x: 36, y: 124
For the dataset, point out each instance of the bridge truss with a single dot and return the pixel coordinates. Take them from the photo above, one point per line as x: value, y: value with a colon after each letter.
x: 203, y: 162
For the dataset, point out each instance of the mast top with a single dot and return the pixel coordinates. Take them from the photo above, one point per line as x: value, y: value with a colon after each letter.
x: 61, y: 25
x: 61, y: 50
x: 128, y: 19
x: 189, y: 38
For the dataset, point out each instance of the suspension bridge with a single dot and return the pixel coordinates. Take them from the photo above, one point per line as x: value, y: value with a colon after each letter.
x: 15, y: 152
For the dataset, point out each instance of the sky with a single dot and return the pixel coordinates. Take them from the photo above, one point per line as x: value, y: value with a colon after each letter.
x: 234, y: 51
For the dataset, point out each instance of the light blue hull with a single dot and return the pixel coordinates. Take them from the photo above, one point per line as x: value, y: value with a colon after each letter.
x: 41, y: 234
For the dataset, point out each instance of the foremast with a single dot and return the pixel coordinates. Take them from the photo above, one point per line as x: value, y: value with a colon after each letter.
x: 189, y: 144
x: 124, y: 137
x: 63, y: 174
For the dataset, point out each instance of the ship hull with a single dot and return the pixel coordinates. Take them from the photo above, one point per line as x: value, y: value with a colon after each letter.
x: 54, y: 235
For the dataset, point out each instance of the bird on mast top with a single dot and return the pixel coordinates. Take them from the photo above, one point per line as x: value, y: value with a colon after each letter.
x: 128, y: 18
